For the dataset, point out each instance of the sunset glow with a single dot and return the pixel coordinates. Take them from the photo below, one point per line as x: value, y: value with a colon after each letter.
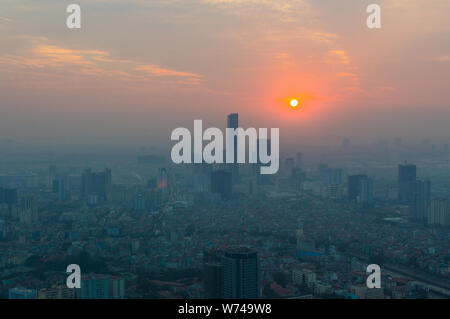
x: 316, y: 66
x: 294, y: 103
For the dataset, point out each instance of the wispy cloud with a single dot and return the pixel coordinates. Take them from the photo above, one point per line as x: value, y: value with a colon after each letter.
x: 4, y: 19
x: 53, y: 58
x: 346, y: 75
x: 339, y: 56
x: 442, y: 58
x: 155, y: 70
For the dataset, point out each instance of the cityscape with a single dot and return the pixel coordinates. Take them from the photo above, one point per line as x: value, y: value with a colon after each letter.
x: 143, y: 227
x: 215, y: 150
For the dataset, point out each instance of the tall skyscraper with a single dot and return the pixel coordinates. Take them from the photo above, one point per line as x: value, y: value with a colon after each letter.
x: 406, y: 174
x: 28, y: 212
x: 163, y: 181
x: 9, y: 197
x: 420, y: 200
x: 354, y: 184
x: 233, y: 122
x: 240, y: 274
x: 298, y: 176
x: 360, y: 189
x: 212, y: 273
x: 439, y: 212
x: 335, y: 176
x: 51, y: 174
x: 59, y: 186
x: 366, y: 192
x: 96, y: 183
x: 221, y: 183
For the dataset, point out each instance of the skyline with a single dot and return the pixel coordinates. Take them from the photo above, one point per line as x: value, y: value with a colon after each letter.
x: 137, y: 70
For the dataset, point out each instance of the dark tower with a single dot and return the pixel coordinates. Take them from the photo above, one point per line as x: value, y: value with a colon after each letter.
x: 406, y: 175
x: 240, y: 277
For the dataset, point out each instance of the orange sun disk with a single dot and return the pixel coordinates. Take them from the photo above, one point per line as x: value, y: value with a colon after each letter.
x: 293, y: 103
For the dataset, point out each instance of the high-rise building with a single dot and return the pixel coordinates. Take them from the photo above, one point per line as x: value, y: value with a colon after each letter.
x: 57, y: 292
x: 439, y: 212
x: 221, y: 181
x: 233, y: 122
x: 212, y: 273
x: 59, y: 186
x: 98, y: 183
x: 333, y: 191
x: 354, y: 183
x: 139, y: 203
x: 366, y: 192
x: 240, y: 274
x: 305, y: 277
x: 8, y: 196
x: 420, y: 200
x: 360, y: 189
x: 51, y: 174
x: 163, y: 181
x: 102, y: 287
x: 406, y: 174
x: 335, y: 176
x: 28, y: 211
x: 353, y: 186
x: 22, y: 293
x: 298, y: 177
x: 152, y: 183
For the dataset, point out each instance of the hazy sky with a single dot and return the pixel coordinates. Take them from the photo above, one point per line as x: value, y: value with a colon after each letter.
x: 137, y: 69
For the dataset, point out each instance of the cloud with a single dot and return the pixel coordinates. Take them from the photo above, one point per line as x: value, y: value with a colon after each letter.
x: 442, y: 59
x: 52, y: 59
x: 346, y: 74
x: 278, y: 11
x: 58, y: 56
x: 155, y: 70
x: 278, y: 5
x: 5, y: 19
x: 339, y: 56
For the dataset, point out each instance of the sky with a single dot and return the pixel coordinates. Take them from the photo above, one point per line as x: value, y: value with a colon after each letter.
x: 138, y: 69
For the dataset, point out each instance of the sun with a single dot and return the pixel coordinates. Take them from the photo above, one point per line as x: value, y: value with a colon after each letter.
x: 294, y: 103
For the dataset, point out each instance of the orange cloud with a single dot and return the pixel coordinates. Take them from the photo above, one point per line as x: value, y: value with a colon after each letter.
x: 442, y: 58
x: 155, y: 70
x: 346, y: 74
x: 95, y: 63
x: 339, y: 56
